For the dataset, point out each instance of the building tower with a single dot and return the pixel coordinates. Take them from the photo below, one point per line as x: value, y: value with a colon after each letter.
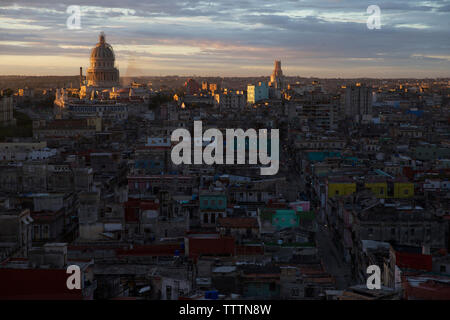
x: 81, y: 77
x: 277, y: 78
x: 358, y: 101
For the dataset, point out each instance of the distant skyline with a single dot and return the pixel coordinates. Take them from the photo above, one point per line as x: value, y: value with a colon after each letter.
x: 312, y: 38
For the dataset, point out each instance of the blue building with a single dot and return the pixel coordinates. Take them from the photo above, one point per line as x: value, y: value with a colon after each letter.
x: 257, y: 92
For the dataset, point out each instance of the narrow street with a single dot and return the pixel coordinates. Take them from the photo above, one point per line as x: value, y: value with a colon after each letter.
x: 333, y: 261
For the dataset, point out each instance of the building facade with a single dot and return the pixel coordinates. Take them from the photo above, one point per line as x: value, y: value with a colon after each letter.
x: 6, y: 111
x: 257, y: 92
x: 358, y: 101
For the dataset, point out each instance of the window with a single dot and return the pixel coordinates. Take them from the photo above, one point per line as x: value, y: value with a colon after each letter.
x: 393, y: 231
x: 406, y: 191
x: 46, y: 232
x: 295, y: 292
x: 205, y: 218
x: 36, y: 232
x: 443, y: 268
x: 213, y: 218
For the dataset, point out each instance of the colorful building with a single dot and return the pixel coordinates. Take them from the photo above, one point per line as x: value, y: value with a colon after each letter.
x: 396, y: 190
x: 284, y: 218
x: 257, y: 92
x: 341, y: 188
x: 212, y: 207
x: 380, y: 189
x: 213, y: 202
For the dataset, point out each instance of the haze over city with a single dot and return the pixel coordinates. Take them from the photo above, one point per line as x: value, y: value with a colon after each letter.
x: 230, y: 38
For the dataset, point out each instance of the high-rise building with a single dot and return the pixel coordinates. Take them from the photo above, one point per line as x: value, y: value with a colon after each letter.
x: 277, y: 79
x: 358, y: 101
x: 6, y: 110
x: 317, y: 110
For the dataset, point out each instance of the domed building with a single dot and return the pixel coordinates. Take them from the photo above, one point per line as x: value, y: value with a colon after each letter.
x: 102, y: 73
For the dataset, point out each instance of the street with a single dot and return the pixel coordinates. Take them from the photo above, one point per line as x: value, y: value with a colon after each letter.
x: 333, y: 262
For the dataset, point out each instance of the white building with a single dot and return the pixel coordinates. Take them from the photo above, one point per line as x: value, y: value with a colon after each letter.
x: 70, y: 108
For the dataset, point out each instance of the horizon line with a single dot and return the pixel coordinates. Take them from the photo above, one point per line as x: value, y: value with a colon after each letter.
x: 218, y: 76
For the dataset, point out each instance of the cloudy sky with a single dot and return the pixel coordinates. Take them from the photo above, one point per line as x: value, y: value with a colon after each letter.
x: 324, y: 38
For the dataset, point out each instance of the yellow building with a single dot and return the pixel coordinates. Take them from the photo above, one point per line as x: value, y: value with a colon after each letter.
x: 341, y: 189
x: 381, y: 190
x: 396, y: 190
x: 403, y: 190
